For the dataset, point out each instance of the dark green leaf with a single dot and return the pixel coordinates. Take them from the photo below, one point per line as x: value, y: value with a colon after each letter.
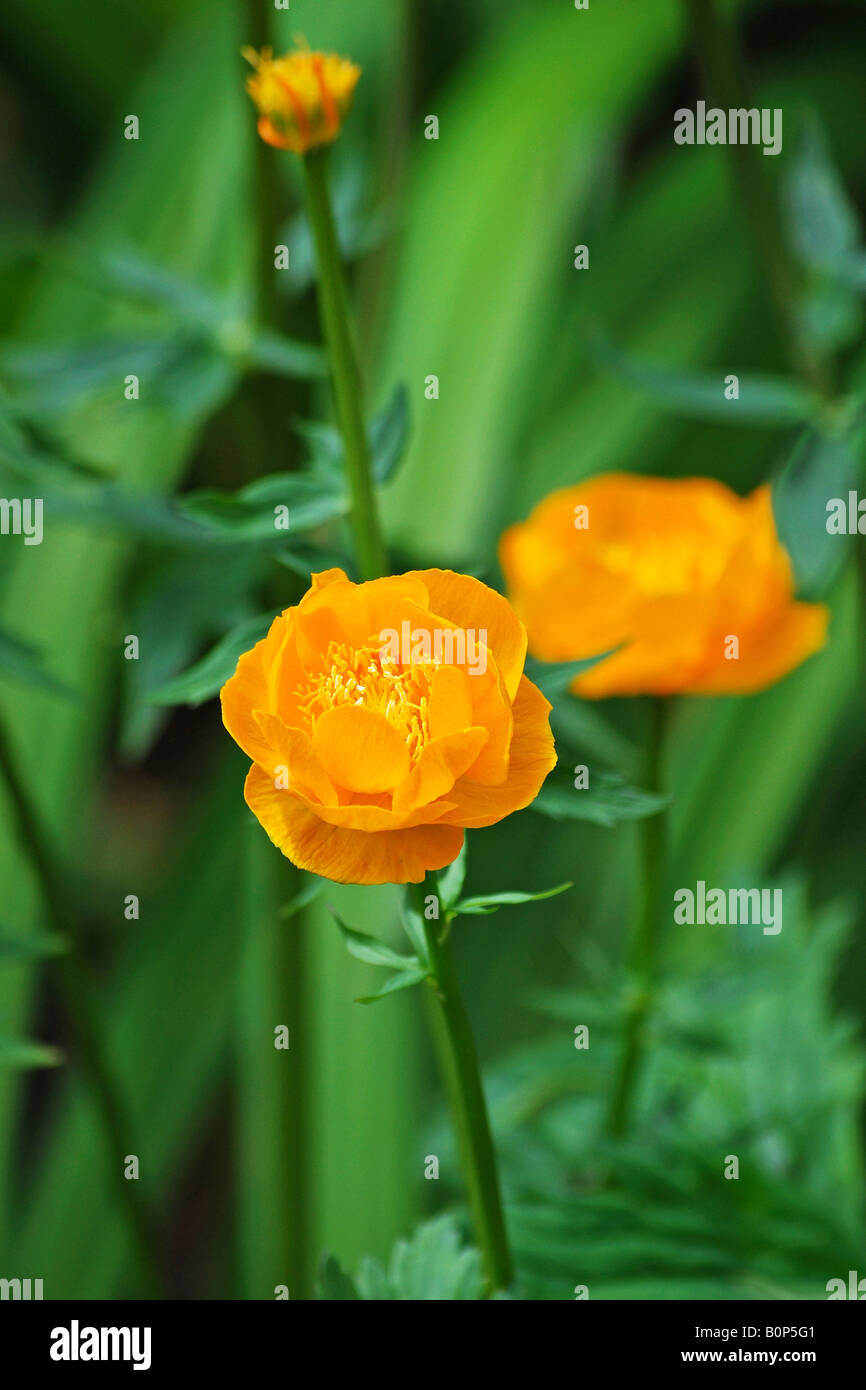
x: 34, y: 945
x: 333, y: 1281
x: 823, y: 223
x: 820, y: 469
x: 763, y: 400
x: 607, y: 800
x: 203, y: 680
x: 554, y: 677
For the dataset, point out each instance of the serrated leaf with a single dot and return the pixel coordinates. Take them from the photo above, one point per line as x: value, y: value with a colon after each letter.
x: 206, y: 678
x: 434, y: 1265
x: 607, y: 801
x: 483, y: 905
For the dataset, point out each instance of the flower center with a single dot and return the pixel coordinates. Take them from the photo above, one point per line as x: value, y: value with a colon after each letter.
x: 363, y: 676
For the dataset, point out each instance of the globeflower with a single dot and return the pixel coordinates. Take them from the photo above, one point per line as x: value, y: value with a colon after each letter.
x: 370, y: 759
x: 684, y: 582
x: 302, y: 97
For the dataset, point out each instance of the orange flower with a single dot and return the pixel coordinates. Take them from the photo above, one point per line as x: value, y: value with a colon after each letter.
x: 301, y: 97
x: 383, y: 719
x: 687, y: 579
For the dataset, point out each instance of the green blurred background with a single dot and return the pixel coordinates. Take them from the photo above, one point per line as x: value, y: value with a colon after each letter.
x: 123, y: 256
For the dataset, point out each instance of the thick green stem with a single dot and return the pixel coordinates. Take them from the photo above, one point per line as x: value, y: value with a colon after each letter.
x: 458, y: 1060
x: 723, y: 70
x: 643, y: 948
x: 345, y: 372
x: 76, y: 990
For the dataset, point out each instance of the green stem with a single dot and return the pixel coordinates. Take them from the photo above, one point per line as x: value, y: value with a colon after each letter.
x: 643, y: 948
x: 76, y: 990
x: 723, y: 69
x: 458, y: 1060
x: 345, y: 372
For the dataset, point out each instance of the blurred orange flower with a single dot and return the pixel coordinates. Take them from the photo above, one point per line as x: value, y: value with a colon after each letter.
x: 301, y: 97
x: 689, y: 581
x: 383, y: 719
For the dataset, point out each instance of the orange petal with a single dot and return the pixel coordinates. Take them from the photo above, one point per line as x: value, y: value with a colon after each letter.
x: 250, y: 689
x: 766, y: 656
x: 468, y: 603
x: 438, y: 768
x: 360, y: 750
x: 532, y: 757
x: 292, y: 749
x: 341, y: 611
x: 449, y: 706
x: 347, y: 856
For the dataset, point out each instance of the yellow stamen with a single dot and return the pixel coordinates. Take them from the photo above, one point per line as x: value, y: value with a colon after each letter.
x: 363, y: 676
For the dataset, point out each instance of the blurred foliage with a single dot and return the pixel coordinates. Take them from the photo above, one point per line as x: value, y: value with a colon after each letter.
x: 119, y: 257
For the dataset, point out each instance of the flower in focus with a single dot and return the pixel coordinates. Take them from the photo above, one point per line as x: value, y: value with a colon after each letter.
x: 301, y: 97
x: 667, y: 571
x: 385, y: 718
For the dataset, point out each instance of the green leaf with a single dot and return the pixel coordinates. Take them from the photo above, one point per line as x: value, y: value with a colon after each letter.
x: 389, y: 435
x: 18, y: 1054
x: 491, y: 902
x: 434, y: 1265
x: 554, y: 677
x: 763, y: 400
x: 334, y: 1282
x: 607, y: 801
x: 373, y: 952
x: 307, y: 895
x: 20, y: 661
x: 404, y: 980
x: 34, y: 945
x: 820, y: 468
x: 207, y: 677
x: 249, y: 514
x: 413, y: 922
x: 273, y: 352
x: 822, y: 221
x: 450, y: 880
